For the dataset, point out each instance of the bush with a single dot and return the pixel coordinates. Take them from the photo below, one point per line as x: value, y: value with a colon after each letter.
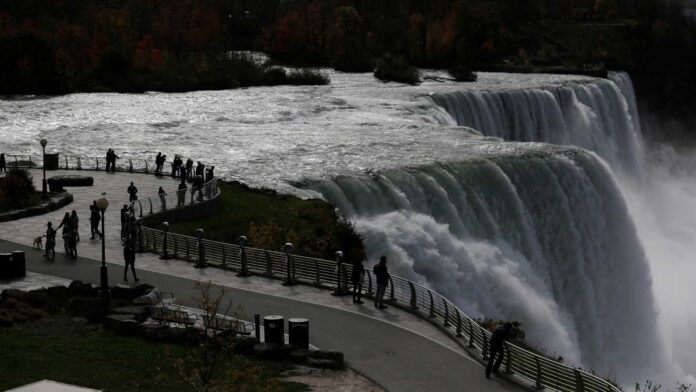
x: 16, y: 187
x: 396, y: 69
x: 304, y: 76
x: 462, y: 73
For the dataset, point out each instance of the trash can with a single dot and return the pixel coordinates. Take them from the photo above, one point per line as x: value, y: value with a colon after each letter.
x: 274, y: 329
x: 298, y: 331
x: 5, y: 265
x: 52, y: 161
x: 18, y: 266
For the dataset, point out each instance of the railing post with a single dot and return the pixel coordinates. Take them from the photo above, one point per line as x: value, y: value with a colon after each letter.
x: 391, y: 290
x: 146, y: 168
x: 484, y: 349
x: 141, y: 208
x: 79, y: 164
x: 188, y: 250
x: 130, y: 165
x: 242, y: 240
x: 224, y: 256
x: 165, y: 251
x: 201, y: 249
x: 95, y: 159
x: 289, y: 265
x: 269, y: 264
x: 444, y: 302
x: 539, y: 384
x: 459, y: 323
x: 339, y: 290
x: 432, y: 305
x: 147, y: 242
x: 579, y: 386
x: 317, y: 278
x: 471, y: 334
x: 176, y: 247
x: 150, y: 201
x: 414, y: 301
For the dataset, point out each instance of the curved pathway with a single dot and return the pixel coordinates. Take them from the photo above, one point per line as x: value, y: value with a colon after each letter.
x: 394, y: 348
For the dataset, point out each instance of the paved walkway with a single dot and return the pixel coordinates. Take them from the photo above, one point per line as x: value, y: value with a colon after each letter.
x: 396, y: 349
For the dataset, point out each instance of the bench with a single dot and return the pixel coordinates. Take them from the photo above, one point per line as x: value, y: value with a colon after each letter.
x: 162, y: 314
x: 228, y: 325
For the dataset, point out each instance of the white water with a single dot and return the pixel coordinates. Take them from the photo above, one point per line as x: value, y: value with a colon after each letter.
x: 526, y: 231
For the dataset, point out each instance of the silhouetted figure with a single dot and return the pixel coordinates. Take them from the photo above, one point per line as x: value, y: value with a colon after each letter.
x: 68, y: 234
x: 94, y: 219
x: 200, y: 169
x: 158, y: 163
x: 133, y: 192
x: 181, y: 193
x: 189, y: 168
x: 209, y: 174
x: 163, y: 198
x: 108, y: 160
x: 124, y: 215
x: 197, y: 187
x: 114, y: 157
x: 176, y: 166
x: 129, y: 250
x: 50, y: 252
x: 356, y: 278
x: 75, y: 224
x: 382, y: 276
x: 496, y: 347
x: 3, y: 167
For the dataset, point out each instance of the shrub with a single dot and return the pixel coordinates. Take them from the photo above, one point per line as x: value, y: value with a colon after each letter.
x: 16, y: 186
x: 396, y: 69
x: 304, y: 76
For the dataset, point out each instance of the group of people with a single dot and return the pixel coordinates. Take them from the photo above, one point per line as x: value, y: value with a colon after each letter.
x: 159, y: 163
x: 70, y: 234
x: 111, y: 158
x: 382, y: 276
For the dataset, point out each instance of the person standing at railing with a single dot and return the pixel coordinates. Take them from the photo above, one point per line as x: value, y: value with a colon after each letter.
x: 382, y: 274
x: 189, y: 168
x: 497, y: 347
x: 181, y: 193
x: 158, y: 163
x: 176, y: 166
x: 163, y: 198
x: 114, y: 157
x: 133, y: 192
x: 357, y: 278
x: 3, y: 167
x: 197, y: 186
x: 200, y: 169
x: 108, y: 160
x: 210, y: 173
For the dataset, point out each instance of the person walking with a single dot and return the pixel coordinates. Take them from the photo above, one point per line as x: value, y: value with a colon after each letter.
x: 181, y: 193
x: 382, y: 274
x: 124, y: 215
x: 3, y: 168
x: 133, y: 192
x: 94, y: 219
x: 163, y: 198
x: 50, y: 242
x: 67, y: 234
x: 129, y: 253
x: 356, y: 278
x: 75, y: 224
x: 496, y: 347
x: 108, y: 160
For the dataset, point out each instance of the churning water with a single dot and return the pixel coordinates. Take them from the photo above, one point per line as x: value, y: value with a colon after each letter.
x: 530, y: 228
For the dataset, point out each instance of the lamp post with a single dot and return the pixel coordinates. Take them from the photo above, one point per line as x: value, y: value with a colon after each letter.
x: 339, y: 266
x: 102, y: 205
x: 242, y: 241
x: 44, y: 194
x: 289, y: 280
x: 201, y: 249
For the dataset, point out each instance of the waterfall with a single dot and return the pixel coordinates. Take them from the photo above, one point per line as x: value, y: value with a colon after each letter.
x: 599, y: 115
x: 528, y: 231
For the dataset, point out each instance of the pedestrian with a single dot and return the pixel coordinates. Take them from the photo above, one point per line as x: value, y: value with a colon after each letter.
x: 3, y: 168
x: 197, y: 187
x: 163, y: 198
x: 94, y: 219
x: 67, y: 234
x: 200, y: 169
x: 176, y: 164
x: 189, y: 168
x: 114, y: 157
x: 75, y: 224
x: 158, y: 163
x: 209, y: 174
x: 50, y: 242
x: 129, y: 257
x: 382, y: 274
x: 133, y: 192
x: 356, y: 278
x: 181, y: 193
x: 108, y: 159
x: 496, y: 347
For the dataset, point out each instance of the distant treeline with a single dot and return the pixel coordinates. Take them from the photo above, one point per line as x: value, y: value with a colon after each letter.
x: 122, y: 45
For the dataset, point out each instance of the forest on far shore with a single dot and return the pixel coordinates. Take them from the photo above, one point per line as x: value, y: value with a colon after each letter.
x: 62, y: 46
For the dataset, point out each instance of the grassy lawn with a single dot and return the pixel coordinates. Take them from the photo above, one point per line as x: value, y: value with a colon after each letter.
x: 269, y: 220
x: 64, y: 350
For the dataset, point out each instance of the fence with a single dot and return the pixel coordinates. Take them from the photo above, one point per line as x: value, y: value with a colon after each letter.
x: 167, y: 201
x: 539, y: 371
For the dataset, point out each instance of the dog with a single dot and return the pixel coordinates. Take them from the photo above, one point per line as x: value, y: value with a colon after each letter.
x: 38, y: 242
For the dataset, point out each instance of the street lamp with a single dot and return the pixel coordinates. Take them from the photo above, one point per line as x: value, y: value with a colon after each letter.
x: 242, y: 241
x: 290, y: 265
x: 102, y: 205
x: 44, y: 194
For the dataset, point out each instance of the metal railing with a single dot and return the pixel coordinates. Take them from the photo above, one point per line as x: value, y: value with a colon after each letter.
x: 537, y: 370
x: 167, y: 201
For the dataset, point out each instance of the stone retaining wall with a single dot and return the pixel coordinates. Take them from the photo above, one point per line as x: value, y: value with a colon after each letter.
x: 55, y: 203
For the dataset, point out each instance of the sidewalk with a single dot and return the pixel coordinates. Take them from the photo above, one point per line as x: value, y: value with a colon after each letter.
x: 396, y: 349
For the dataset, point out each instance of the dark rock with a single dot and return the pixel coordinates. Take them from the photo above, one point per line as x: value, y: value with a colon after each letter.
x: 320, y: 363
x: 71, y: 180
x: 127, y: 327
x: 92, y: 308
x: 111, y: 321
x: 318, y: 358
x: 244, y: 345
x: 77, y: 288
x: 139, y: 313
x: 58, y: 293
x: 273, y: 351
x: 121, y: 292
x: 142, y: 289
x: 37, y: 298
